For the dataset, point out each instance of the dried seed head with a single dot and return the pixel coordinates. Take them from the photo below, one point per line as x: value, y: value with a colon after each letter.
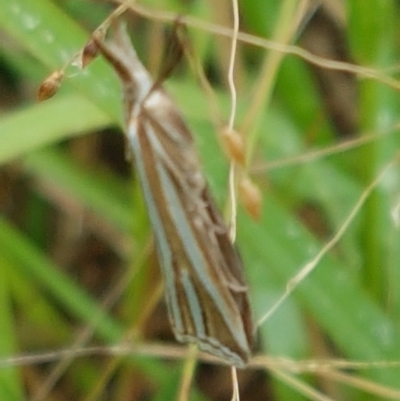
x: 50, y: 85
x: 234, y: 145
x: 251, y: 197
x: 89, y: 53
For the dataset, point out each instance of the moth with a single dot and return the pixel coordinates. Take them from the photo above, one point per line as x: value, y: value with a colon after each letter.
x: 205, y: 290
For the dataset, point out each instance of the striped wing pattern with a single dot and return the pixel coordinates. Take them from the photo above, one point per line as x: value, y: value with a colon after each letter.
x: 206, y: 292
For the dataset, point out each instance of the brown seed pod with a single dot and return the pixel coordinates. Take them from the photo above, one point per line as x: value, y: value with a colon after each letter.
x: 89, y: 53
x: 50, y: 85
x: 234, y: 145
x: 251, y: 197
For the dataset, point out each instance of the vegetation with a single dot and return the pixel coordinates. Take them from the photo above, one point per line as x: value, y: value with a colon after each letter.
x: 78, y: 269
